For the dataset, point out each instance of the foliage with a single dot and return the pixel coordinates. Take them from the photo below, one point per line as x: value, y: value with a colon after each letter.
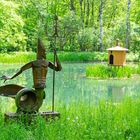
x: 138, y: 69
x: 22, y: 22
x: 87, y: 39
x: 104, y: 71
x: 135, y: 37
x: 107, y: 120
x: 70, y: 25
x: 12, y: 37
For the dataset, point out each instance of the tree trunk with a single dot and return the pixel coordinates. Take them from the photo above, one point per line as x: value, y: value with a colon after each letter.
x: 128, y: 24
x: 92, y: 13
x: 72, y: 8
x: 113, y: 14
x: 87, y: 14
x: 81, y: 11
x: 84, y: 11
x: 101, y: 25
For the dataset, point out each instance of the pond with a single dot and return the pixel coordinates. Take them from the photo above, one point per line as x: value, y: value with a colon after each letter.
x: 72, y: 85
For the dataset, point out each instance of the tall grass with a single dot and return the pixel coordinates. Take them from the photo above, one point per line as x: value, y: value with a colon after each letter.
x: 104, y: 71
x: 19, y: 57
x: 80, y: 121
x: 24, y: 57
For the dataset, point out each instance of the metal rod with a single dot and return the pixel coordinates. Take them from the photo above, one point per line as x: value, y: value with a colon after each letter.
x: 54, y: 74
x: 55, y: 37
x: 53, y: 83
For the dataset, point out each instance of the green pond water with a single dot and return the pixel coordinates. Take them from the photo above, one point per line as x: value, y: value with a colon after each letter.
x: 72, y: 85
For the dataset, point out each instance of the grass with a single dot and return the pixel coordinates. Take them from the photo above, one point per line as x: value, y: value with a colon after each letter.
x: 107, y: 120
x: 24, y: 57
x: 104, y: 71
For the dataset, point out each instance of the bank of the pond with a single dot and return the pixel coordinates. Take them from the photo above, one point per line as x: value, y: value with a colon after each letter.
x: 23, y: 57
x: 100, y: 71
x: 82, y: 121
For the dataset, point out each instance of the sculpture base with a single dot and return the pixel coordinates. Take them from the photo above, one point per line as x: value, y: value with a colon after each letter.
x: 28, y: 118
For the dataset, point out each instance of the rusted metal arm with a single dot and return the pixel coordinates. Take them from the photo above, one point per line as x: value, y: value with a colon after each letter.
x: 57, y: 66
x: 25, y: 67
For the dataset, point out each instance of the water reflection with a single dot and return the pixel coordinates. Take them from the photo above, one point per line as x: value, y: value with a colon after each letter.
x: 116, y: 94
x: 71, y: 84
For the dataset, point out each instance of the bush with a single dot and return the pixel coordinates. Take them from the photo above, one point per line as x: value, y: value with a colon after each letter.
x: 87, y: 39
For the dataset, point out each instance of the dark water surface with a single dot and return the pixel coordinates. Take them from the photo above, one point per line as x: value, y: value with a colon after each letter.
x: 72, y: 85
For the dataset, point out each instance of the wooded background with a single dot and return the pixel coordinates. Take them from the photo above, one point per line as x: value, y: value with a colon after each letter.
x: 83, y: 25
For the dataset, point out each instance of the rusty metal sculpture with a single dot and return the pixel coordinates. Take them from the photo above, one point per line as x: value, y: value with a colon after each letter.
x: 28, y: 101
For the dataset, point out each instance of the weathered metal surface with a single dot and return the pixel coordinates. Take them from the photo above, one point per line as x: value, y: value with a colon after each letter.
x: 28, y: 118
x: 41, y: 52
x: 10, y: 90
x: 39, y: 70
x: 29, y: 100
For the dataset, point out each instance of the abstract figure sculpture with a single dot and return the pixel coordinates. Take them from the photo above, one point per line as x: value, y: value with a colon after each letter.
x: 29, y: 101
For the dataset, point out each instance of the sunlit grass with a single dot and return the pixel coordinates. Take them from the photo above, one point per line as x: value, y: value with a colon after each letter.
x: 19, y: 57
x: 78, y: 121
x: 23, y: 57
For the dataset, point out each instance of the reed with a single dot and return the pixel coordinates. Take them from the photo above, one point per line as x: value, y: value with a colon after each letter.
x: 104, y: 71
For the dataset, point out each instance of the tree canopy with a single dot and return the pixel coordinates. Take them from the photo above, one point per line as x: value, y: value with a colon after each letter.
x: 83, y: 25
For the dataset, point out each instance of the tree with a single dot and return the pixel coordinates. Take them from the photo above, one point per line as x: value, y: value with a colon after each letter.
x: 81, y: 11
x: 70, y: 26
x: 110, y: 18
x: 12, y: 37
x: 128, y: 24
x: 101, y: 24
x: 87, y: 14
